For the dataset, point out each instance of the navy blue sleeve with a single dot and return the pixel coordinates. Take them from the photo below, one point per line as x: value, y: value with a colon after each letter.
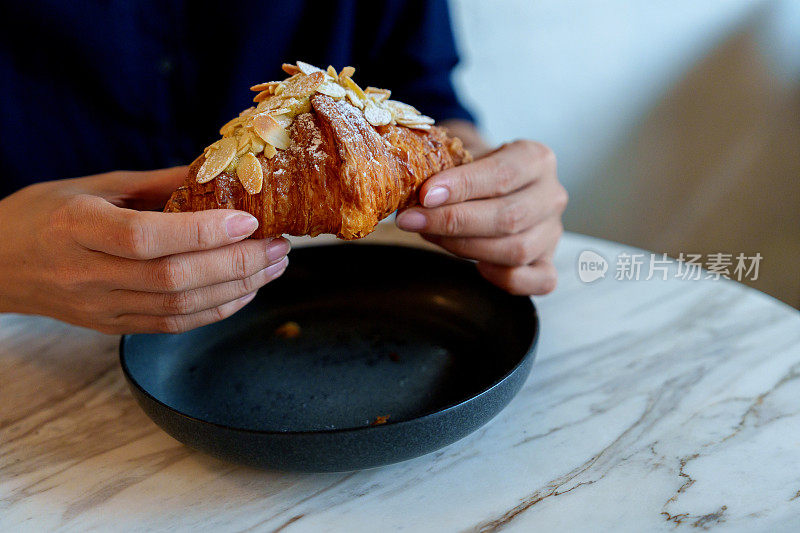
x: 413, y: 53
x: 141, y: 85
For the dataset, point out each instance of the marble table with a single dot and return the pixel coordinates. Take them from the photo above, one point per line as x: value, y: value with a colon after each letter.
x: 653, y: 406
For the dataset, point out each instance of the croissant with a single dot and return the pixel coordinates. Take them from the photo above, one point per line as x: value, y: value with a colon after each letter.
x: 317, y: 154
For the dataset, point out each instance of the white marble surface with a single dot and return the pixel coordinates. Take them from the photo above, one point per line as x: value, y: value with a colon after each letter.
x: 652, y: 406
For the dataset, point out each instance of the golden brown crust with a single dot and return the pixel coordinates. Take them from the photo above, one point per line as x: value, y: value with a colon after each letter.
x: 340, y: 175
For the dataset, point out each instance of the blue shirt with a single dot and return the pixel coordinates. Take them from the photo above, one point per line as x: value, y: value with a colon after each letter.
x: 92, y: 86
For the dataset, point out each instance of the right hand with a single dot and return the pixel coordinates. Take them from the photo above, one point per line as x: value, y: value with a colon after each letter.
x: 79, y: 250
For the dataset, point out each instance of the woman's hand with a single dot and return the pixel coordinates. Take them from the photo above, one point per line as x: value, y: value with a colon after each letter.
x: 503, y: 210
x: 78, y: 250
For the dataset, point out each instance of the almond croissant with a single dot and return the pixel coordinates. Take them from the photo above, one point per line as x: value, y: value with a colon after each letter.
x: 319, y: 155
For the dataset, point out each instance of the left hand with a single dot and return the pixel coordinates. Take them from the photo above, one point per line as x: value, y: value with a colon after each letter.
x: 503, y: 210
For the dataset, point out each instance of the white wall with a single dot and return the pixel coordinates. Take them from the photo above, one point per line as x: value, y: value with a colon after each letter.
x: 576, y: 75
x: 593, y: 78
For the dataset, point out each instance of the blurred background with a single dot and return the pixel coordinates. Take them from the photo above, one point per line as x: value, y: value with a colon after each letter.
x: 676, y: 123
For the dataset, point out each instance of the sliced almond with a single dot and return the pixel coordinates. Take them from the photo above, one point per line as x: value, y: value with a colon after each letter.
x: 270, y: 104
x: 266, y: 86
x: 229, y: 126
x: 332, y: 72
x: 378, y: 98
x: 353, y: 86
x: 419, y: 126
x: 231, y: 168
x: 417, y: 119
x: 379, y: 95
x: 377, y: 116
x: 303, y: 85
x: 271, y: 132
x: 256, y: 144
x: 250, y: 173
x: 299, y: 105
x: 334, y: 90
x: 347, y: 72
x: 211, y: 147
x: 270, y: 151
x: 307, y: 68
x: 284, y: 120
x: 290, y: 69
x: 354, y: 99
x: 219, y: 160
x: 263, y: 95
x: 242, y: 144
x: 400, y: 108
x: 280, y: 111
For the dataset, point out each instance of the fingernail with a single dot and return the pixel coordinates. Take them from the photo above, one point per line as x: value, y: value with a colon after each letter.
x: 247, y: 297
x: 240, y: 225
x: 273, y: 271
x: 277, y: 249
x: 411, y: 220
x: 436, y: 196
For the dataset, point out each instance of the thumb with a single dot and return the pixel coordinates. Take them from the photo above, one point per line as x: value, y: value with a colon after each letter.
x: 139, y: 190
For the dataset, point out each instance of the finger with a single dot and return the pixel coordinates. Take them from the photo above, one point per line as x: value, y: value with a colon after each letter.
x: 139, y: 190
x: 536, y: 279
x: 196, y: 300
x: 495, y: 217
x: 101, y: 226
x: 184, y: 272
x: 505, y: 170
x: 179, y: 323
x: 515, y: 250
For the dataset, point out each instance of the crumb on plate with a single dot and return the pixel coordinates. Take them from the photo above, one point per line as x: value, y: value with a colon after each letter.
x: 288, y: 330
x: 381, y: 420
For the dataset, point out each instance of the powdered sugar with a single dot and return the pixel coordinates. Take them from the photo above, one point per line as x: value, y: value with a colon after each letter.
x: 352, y: 115
x: 306, y: 130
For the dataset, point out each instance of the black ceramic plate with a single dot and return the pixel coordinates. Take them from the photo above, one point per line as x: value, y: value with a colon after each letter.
x: 412, y: 337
